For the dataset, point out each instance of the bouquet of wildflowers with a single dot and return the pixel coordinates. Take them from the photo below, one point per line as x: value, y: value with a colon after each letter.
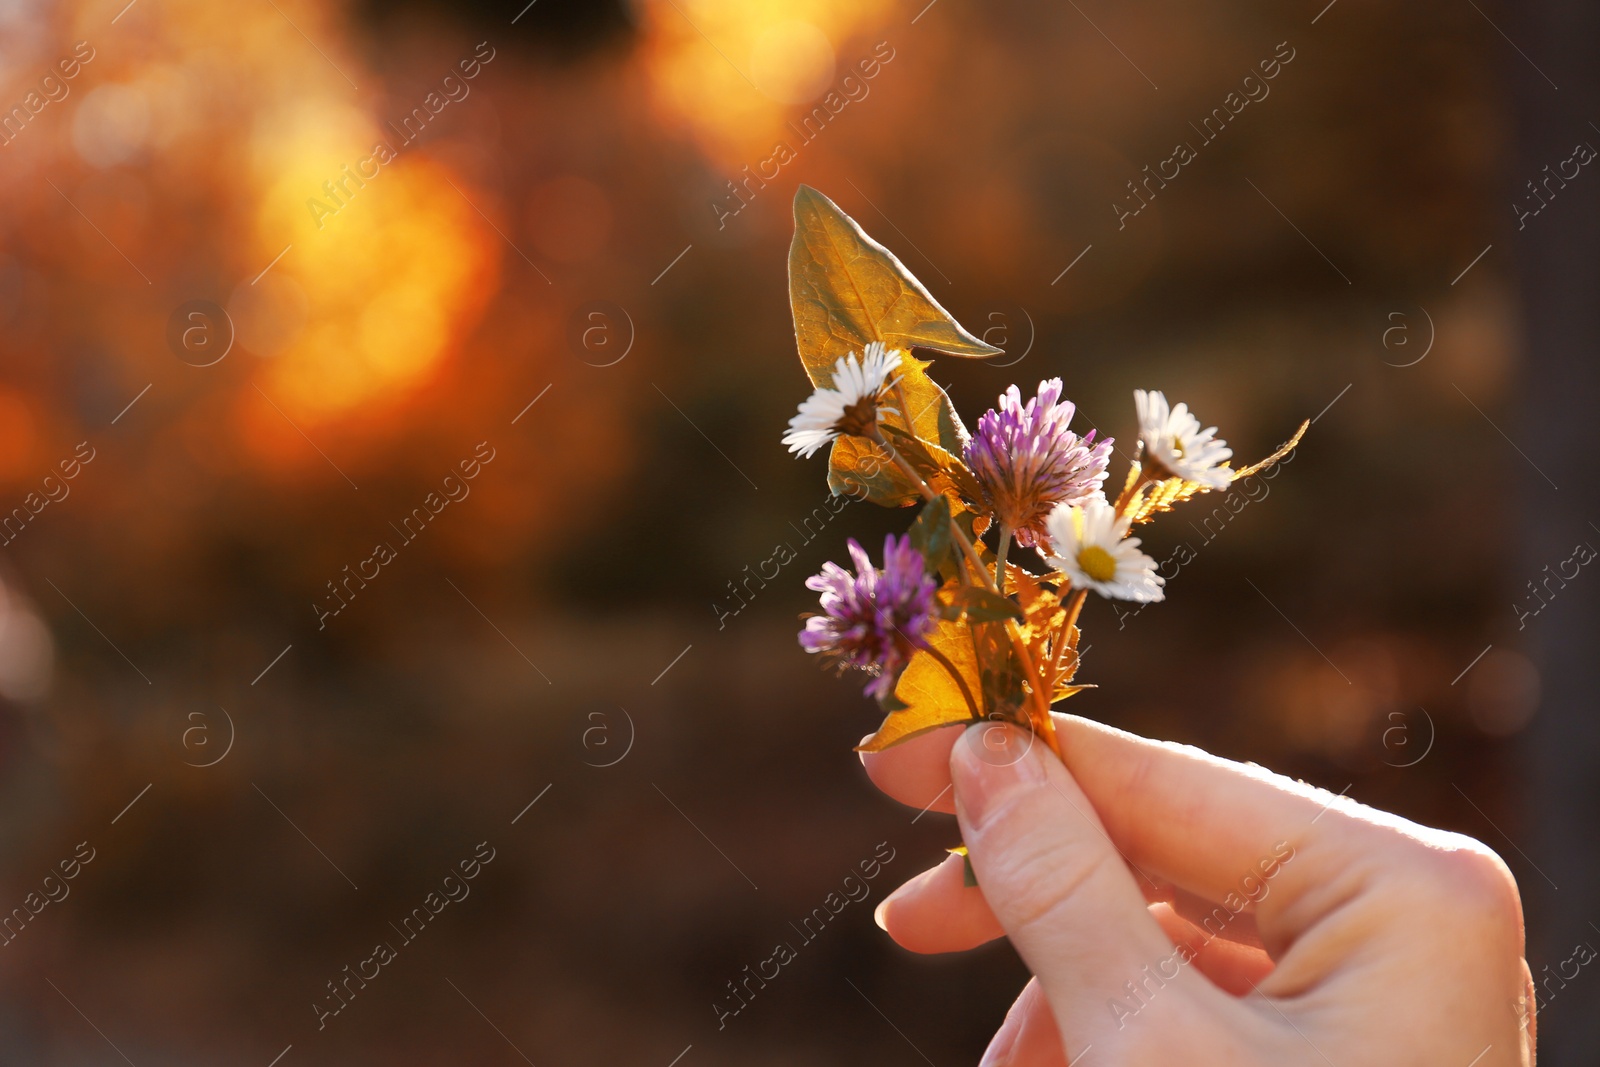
x: 948, y: 628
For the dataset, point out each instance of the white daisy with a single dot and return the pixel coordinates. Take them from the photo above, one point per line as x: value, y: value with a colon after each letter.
x: 1094, y: 551
x: 850, y: 406
x: 1176, y: 445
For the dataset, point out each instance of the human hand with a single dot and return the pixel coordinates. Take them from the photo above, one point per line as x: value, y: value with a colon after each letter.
x: 1175, y: 907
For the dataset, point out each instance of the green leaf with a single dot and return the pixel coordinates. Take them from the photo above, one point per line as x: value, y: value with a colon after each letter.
x: 930, y: 534
x: 983, y: 605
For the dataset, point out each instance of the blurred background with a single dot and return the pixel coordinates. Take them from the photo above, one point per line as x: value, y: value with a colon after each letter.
x: 391, y: 392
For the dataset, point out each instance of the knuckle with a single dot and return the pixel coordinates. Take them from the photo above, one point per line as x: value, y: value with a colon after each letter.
x: 1486, y: 879
x: 1051, y: 886
x: 1470, y: 880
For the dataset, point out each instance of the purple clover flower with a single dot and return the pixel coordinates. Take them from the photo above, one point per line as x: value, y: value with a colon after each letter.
x: 1027, y: 461
x: 873, y: 620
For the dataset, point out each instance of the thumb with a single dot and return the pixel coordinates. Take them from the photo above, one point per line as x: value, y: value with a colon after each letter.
x: 1064, y: 894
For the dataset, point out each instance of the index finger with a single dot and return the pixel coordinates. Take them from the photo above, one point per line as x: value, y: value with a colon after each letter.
x: 1214, y: 827
x: 916, y: 772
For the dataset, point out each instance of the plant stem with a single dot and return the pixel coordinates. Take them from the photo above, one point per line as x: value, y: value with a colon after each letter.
x: 905, y: 404
x: 1041, y: 717
x: 1062, y: 633
x: 1057, y: 653
x: 1000, y: 559
x: 928, y: 494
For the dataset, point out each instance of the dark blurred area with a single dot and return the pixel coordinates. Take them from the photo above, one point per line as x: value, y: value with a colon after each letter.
x: 411, y: 498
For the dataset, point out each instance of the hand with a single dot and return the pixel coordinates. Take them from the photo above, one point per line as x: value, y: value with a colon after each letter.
x: 1178, y: 908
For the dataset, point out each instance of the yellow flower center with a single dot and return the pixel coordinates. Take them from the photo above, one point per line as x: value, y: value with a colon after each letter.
x: 1097, y: 563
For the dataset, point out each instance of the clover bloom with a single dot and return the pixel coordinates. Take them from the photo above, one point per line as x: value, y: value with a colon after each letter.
x: 1028, y: 462
x: 874, y: 619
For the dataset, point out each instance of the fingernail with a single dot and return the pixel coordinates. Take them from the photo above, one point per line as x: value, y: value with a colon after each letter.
x: 879, y: 912
x: 992, y: 761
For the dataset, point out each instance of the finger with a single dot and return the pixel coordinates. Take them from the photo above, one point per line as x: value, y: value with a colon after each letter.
x: 1221, y: 830
x: 916, y: 772
x: 1029, y: 1036
x: 1234, y: 968
x: 1225, y: 924
x: 1054, y: 880
x: 937, y: 912
x: 1228, y: 832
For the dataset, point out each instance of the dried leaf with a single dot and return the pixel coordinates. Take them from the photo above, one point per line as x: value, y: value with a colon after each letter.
x: 1157, y: 497
x: 846, y: 291
x: 1283, y: 450
x: 934, y: 421
x: 941, y: 469
x: 857, y: 467
x: 1062, y: 692
x: 1005, y: 698
x: 1043, y: 614
x: 932, y: 695
x: 1163, y: 495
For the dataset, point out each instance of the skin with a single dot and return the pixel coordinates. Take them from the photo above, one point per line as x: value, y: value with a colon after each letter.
x: 1361, y: 939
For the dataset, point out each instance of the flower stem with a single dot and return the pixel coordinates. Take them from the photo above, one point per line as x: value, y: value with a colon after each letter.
x: 1000, y: 559
x: 905, y: 404
x: 1047, y: 725
x: 1040, y: 718
x: 928, y: 494
x: 1062, y: 633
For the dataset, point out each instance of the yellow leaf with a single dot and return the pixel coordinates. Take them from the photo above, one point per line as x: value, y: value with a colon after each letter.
x: 1283, y: 450
x: 1042, y: 612
x: 1161, y: 496
x: 861, y: 468
x: 857, y: 467
x: 933, y: 696
x: 932, y: 418
x: 847, y: 290
x: 943, y: 470
x: 1043, y: 615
